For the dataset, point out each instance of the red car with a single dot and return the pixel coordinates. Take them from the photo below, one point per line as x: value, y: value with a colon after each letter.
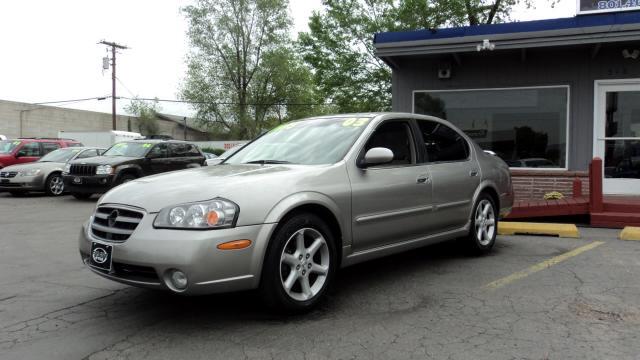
x: 26, y: 150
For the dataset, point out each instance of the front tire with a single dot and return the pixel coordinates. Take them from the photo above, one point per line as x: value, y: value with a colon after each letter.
x: 299, y: 265
x: 54, y: 186
x: 484, y: 225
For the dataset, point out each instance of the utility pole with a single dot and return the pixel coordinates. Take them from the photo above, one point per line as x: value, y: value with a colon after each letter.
x: 114, y: 46
x: 185, y: 127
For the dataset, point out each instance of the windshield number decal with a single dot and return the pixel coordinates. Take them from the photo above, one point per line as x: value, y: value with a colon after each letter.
x: 146, y: 145
x: 355, y: 122
x: 16, y: 143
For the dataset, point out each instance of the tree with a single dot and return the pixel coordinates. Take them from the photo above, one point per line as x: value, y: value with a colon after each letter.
x: 146, y: 112
x: 339, y: 45
x: 242, y: 65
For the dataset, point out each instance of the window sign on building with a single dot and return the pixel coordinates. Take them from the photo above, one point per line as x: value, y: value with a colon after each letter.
x: 526, y: 127
x: 598, y: 6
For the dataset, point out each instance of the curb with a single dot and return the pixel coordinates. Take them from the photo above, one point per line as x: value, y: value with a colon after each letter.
x: 524, y: 228
x: 630, y: 233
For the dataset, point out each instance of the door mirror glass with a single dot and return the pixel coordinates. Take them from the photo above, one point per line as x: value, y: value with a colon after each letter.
x: 377, y: 156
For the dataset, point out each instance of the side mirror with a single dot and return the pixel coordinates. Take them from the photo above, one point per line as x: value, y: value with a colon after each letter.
x: 376, y: 156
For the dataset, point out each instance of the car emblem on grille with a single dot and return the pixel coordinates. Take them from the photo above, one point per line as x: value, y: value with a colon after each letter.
x: 111, y: 220
x: 99, y: 255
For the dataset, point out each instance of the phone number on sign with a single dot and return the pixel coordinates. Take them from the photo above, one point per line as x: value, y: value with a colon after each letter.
x: 617, y: 4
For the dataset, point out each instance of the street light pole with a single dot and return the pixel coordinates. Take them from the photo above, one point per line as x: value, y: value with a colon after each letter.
x: 114, y: 46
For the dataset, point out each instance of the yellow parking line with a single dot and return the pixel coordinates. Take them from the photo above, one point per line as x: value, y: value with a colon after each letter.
x: 541, y: 266
x: 630, y: 233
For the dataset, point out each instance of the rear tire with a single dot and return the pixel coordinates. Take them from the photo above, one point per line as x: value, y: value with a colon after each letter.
x: 81, y: 196
x: 54, y: 186
x: 299, y: 265
x: 484, y: 225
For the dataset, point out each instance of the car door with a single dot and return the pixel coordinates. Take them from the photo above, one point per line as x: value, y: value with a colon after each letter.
x: 178, y: 156
x: 29, y: 152
x: 391, y: 202
x: 454, y: 172
x: 156, y: 160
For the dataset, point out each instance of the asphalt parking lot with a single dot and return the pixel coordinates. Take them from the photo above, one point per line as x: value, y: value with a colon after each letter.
x: 532, y: 298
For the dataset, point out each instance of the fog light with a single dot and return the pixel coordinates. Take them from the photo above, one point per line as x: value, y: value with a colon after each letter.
x: 178, y: 279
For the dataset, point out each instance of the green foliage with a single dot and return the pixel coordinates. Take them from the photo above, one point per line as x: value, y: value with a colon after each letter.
x: 242, y: 67
x: 339, y: 45
x: 146, y: 113
x: 214, y: 151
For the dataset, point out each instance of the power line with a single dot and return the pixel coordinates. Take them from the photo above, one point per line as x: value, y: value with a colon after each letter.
x: 221, y: 103
x: 72, y: 100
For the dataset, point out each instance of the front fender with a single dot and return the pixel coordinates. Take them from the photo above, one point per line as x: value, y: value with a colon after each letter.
x: 291, y: 202
x: 121, y: 169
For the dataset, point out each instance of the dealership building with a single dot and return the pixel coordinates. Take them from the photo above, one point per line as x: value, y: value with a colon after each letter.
x: 547, y: 96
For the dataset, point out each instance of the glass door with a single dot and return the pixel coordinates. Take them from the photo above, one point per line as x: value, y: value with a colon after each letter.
x: 617, y: 135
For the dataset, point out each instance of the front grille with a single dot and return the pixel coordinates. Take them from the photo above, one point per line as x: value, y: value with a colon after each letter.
x: 82, y: 169
x: 114, y: 223
x: 8, y: 174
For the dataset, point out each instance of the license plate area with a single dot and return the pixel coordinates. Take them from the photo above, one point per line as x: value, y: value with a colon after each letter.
x: 100, y: 257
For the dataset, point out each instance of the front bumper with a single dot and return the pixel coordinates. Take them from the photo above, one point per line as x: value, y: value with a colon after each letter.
x: 145, y: 259
x: 95, y: 184
x: 23, y: 183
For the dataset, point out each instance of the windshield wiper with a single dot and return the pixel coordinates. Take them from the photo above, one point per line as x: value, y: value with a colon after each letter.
x: 263, y: 162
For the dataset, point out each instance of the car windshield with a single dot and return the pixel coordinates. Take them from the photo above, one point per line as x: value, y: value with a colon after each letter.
x: 60, y: 155
x: 7, y: 146
x: 309, y: 142
x: 132, y: 149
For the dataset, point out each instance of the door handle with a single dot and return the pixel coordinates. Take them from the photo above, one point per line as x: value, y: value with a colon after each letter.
x: 473, y: 172
x: 423, y: 179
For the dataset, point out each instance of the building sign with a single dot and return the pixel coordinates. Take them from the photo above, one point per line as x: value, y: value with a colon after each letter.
x: 597, y: 6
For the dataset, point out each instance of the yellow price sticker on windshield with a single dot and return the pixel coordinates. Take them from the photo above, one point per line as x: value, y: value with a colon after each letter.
x: 286, y: 126
x: 355, y: 122
x: 16, y: 143
x: 119, y: 145
x: 146, y: 145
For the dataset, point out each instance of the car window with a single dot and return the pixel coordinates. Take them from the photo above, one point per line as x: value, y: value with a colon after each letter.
x: 132, y: 149
x: 183, y: 150
x: 159, y: 151
x: 87, y: 154
x: 395, y: 136
x: 48, y: 147
x: 442, y: 143
x: 73, y: 144
x: 30, y: 149
x: 7, y: 146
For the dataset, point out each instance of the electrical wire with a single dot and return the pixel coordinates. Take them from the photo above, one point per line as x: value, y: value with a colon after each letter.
x: 72, y: 100
x: 220, y: 103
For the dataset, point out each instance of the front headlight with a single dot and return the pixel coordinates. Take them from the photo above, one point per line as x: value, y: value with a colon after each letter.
x: 212, y: 214
x: 67, y: 168
x: 104, y: 170
x: 32, y: 172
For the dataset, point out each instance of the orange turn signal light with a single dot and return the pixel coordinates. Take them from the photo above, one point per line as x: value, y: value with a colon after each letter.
x: 235, y: 245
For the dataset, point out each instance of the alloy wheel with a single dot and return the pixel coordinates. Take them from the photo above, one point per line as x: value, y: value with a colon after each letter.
x: 304, y: 264
x: 485, y: 222
x: 56, y: 185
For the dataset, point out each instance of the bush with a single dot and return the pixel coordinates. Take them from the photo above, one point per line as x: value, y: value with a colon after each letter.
x: 215, y: 151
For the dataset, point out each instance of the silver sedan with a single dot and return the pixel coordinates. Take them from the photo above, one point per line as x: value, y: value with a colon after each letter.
x: 44, y: 174
x: 291, y: 207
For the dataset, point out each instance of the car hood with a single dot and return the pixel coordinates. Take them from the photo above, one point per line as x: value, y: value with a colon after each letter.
x: 243, y: 184
x: 105, y: 160
x: 44, y: 166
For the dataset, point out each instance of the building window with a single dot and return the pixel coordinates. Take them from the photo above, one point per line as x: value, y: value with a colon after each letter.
x: 527, y: 127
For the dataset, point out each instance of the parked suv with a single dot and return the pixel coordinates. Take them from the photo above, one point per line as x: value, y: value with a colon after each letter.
x: 127, y: 161
x: 26, y: 150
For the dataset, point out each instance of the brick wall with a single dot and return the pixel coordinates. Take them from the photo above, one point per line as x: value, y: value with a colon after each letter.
x: 532, y: 185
